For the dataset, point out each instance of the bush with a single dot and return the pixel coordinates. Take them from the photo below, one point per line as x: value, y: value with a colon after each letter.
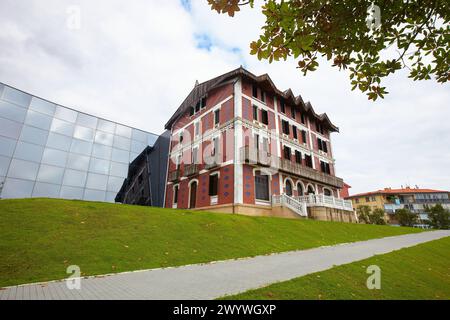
x: 405, y: 217
x: 439, y: 218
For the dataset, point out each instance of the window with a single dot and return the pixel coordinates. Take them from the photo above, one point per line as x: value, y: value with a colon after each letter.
x: 264, y: 117
x: 303, y: 119
x: 175, y: 194
x: 304, y: 136
x: 285, y: 126
x: 255, y: 91
x: 195, y: 155
x: 308, y: 161
x: 216, y: 117
x: 287, y: 152
x: 325, y: 167
x: 213, y: 184
x: 293, y: 112
x: 298, y: 156
x: 282, y: 106
x: 294, y: 132
x: 255, y: 113
x: 261, y: 186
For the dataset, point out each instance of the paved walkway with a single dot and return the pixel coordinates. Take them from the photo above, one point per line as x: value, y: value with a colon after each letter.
x: 213, y: 280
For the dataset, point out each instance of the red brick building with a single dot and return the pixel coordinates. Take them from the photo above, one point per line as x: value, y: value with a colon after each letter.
x: 240, y: 145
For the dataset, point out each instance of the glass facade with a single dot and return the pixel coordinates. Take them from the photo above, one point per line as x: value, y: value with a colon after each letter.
x: 47, y: 150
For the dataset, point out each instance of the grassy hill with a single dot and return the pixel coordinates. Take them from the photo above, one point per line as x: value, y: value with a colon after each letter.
x: 39, y: 238
x: 419, y: 272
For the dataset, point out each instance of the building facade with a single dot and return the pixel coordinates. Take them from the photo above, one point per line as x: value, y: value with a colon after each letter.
x: 48, y: 150
x: 240, y: 145
x: 390, y: 200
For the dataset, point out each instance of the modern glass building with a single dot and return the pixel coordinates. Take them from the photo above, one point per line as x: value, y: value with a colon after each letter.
x: 47, y: 150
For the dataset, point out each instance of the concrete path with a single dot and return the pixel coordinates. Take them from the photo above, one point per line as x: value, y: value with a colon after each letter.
x: 213, y: 280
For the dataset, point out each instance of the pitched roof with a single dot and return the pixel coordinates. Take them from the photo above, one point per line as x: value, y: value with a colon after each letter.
x: 389, y: 191
x: 200, y: 90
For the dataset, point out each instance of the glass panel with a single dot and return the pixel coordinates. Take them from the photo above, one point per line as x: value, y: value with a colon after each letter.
x: 4, y: 164
x: 111, y: 196
x: 101, y: 151
x: 74, y: 178
x: 114, y: 184
x: 137, y: 147
x: 38, y: 120
x: 123, y: 131
x: 84, y: 133
x: 59, y: 141
x: 96, y: 181
x: 28, y: 151
x: 17, y: 188
x: 94, y: 195
x: 34, y: 135
x: 82, y: 147
x: 46, y: 190
x: 62, y: 127
x: 120, y: 155
x: 23, y: 169
x: 54, y: 157
x: 122, y: 143
x: 71, y: 193
x: 66, y: 114
x: 50, y: 174
x: 106, y: 126
x: 104, y: 138
x: 16, y: 96
x: 78, y: 162
x: 99, y: 166
x: 12, y: 112
x: 87, y: 121
x: 139, y: 135
x: 118, y: 169
x: 151, y: 139
x: 7, y: 146
x: 133, y: 156
x: 10, y: 129
x: 43, y: 106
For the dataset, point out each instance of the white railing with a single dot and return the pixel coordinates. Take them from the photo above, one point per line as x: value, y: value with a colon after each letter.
x: 293, y: 204
x: 321, y: 200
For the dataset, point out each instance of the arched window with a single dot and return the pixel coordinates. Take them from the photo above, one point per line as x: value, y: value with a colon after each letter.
x: 288, y: 188
x: 327, y: 192
x: 311, y: 190
x: 300, y: 189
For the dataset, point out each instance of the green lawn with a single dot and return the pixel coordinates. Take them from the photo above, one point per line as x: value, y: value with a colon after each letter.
x: 39, y: 238
x: 420, y: 272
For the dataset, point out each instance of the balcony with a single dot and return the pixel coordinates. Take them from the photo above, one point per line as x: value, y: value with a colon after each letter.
x: 255, y: 156
x: 174, y: 175
x: 213, y: 161
x: 321, y: 200
x: 191, y: 169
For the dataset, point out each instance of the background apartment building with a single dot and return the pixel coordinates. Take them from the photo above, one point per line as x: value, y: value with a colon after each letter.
x: 239, y: 144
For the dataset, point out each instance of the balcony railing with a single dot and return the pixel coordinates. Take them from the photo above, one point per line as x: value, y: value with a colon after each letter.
x: 191, y: 169
x: 249, y: 155
x: 174, y: 175
x: 260, y: 157
x: 321, y: 200
x: 213, y: 161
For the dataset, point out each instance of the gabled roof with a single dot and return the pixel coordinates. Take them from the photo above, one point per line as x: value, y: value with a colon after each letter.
x: 389, y: 191
x: 201, y: 90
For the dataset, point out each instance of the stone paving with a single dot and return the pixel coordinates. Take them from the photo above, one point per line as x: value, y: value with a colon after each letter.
x: 213, y: 280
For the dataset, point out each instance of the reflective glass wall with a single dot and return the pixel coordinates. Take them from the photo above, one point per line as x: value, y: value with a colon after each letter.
x: 47, y: 150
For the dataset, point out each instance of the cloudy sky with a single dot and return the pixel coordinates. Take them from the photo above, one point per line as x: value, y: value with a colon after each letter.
x: 135, y: 61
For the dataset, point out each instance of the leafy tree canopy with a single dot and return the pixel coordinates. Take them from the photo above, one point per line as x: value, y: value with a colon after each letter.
x: 372, y: 39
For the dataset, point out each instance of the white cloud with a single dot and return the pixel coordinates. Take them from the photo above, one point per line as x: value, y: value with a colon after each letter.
x: 135, y: 61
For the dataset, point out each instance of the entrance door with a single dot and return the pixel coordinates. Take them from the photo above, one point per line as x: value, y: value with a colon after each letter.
x: 193, y: 196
